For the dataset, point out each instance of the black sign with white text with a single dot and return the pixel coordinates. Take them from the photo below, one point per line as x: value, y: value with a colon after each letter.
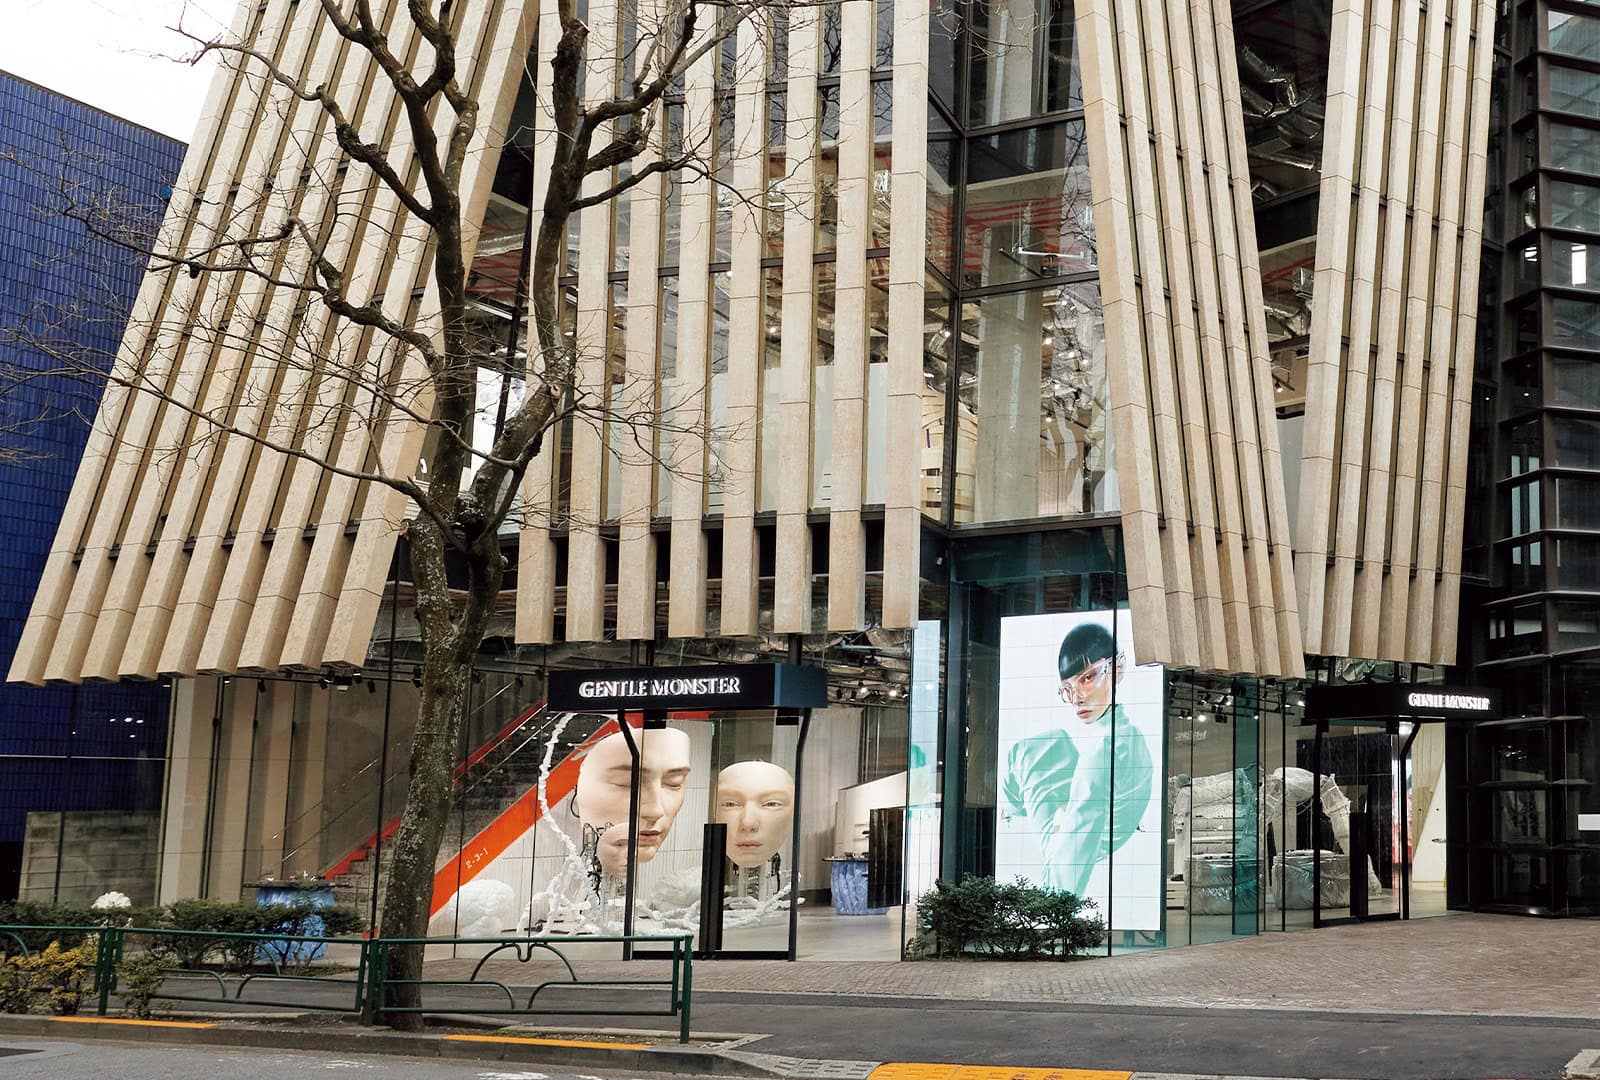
x: 1400, y: 700
x: 710, y: 687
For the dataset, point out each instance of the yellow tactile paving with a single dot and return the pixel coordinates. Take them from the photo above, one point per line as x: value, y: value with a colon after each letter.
x: 130, y: 1023
x: 913, y: 1070
x: 548, y: 1042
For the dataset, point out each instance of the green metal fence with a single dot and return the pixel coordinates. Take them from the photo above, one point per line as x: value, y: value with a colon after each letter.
x: 283, y: 964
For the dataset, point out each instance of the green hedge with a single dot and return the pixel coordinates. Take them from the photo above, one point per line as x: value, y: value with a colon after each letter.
x: 204, y: 918
x: 978, y: 916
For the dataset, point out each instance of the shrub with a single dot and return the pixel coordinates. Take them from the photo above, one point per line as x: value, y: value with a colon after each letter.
x: 139, y: 979
x: 40, y: 913
x: 17, y: 991
x: 60, y: 974
x: 206, y: 919
x: 980, y: 916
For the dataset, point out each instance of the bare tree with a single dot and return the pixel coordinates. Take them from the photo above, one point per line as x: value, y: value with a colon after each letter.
x: 361, y: 366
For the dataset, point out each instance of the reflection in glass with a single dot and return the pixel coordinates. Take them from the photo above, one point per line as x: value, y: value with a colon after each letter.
x: 1032, y: 410
x: 1029, y: 211
x: 1574, y: 206
x: 1023, y: 57
x: 1574, y: 35
x: 1574, y: 91
x: 941, y: 186
x: 936, y: 352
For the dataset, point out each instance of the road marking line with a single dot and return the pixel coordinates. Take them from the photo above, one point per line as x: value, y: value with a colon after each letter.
x: 549, y: 1042
x: 914, y: 1070
x: 130, y: 1023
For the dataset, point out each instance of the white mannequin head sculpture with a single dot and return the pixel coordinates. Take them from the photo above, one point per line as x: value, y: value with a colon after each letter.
x: 604, y: 789
x: 755, y: 799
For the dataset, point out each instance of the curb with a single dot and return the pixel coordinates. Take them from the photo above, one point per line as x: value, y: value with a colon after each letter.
x: 706, y: 1061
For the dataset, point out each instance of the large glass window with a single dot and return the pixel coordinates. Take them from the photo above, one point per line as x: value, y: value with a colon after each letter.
x: 1574, y: 265
x: 1033, y: 421
x: 1574, y: 91
x: 1577, y: 624
x: 1575, y: 206
x: 1578, y: 562
x: 1029, y: 211
x: 1577, y: 323
x: 1574, y: 148
x: 943, y: 149
x: 1577, y: 442
x: 1575, y: 381
x: 1577, y: 503
x: 1574, y: 35
x: 1023, y: 60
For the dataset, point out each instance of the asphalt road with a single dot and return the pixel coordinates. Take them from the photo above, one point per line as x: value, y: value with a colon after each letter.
x: 1229, y: 1042
x: 25, y: 1060
x: 1215, y: 1041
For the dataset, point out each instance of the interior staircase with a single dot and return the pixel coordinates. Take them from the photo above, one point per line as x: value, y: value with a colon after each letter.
x: 496, y: 797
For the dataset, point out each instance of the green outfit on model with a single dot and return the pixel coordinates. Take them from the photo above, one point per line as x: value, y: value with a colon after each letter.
x: 1075, y: 795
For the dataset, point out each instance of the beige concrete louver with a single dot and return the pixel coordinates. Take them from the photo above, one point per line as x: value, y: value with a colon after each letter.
x: 1389, y: 376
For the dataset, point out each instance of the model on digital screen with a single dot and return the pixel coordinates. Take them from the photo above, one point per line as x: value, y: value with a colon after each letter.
x: 1086, y: 785
x: 755, y: 799
x: 604, y: 789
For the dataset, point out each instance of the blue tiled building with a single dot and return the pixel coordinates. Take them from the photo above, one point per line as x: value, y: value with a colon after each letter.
x: 93, y: 752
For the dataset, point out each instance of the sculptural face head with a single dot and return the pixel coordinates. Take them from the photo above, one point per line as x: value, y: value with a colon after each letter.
x: 755, y: 799
x: 604, y: 787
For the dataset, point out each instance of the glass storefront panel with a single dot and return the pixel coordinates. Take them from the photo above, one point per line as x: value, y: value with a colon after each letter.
x: 1360, y: 857
x: 1026, y: 355
x: 1517, y: 816
x: 1518, y: 879
x: 1029, y: 211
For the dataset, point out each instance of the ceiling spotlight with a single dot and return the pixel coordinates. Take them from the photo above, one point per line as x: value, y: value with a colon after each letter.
x: 323, y: 682
x: 416, y: 677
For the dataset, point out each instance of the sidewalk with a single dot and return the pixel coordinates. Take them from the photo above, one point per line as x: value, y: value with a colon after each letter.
x: 1461, y: 964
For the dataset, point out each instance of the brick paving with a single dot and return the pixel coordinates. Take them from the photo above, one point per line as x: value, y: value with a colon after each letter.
x: 1462, y: 964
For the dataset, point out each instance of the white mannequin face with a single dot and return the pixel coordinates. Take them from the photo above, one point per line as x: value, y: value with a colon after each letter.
x: 604, y: 786
x: 755, y: 799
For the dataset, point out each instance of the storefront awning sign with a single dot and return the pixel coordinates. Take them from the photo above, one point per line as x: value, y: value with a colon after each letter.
x: 707, y: 687
x: 1402, y: 700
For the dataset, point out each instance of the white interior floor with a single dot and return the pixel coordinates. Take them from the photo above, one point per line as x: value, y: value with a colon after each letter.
x: 826, y: 935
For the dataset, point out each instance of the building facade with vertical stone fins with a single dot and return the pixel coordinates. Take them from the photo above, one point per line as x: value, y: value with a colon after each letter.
x: 977, y: 322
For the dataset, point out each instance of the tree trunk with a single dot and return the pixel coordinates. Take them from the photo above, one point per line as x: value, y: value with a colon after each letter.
x: 415, y: 849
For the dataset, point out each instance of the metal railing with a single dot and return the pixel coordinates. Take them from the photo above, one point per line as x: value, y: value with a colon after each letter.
x: 364, y: 990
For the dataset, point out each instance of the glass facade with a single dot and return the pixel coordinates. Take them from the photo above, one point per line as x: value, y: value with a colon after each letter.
x: 78, y: 766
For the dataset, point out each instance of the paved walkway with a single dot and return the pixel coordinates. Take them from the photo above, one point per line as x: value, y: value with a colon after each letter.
x: 1462, y: 964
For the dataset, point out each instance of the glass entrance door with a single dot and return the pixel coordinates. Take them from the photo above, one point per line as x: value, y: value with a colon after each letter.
x: 1360, y: 855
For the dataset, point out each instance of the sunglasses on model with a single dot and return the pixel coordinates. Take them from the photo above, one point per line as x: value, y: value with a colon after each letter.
x: 1079, y: 686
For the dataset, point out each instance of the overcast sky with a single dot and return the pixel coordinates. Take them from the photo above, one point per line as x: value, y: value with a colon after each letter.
x: 114, y: 54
